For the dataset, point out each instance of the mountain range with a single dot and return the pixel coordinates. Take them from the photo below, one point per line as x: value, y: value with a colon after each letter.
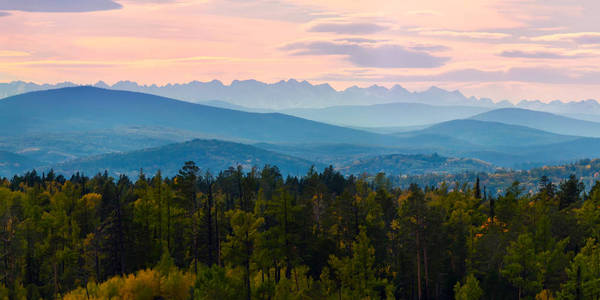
x: 89, y: 128
x: 302, y: 94
x: 80, y: 109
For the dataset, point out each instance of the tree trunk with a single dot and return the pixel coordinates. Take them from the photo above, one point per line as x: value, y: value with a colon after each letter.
x: 419, y: 290
x: 247, y: 265
x: 160, y: 230
x: 425, y: 265
x: 288, y: 268
x: 55, y: 268
x: 218, y: 242
x: 210, y: 233
x: 169, y: 223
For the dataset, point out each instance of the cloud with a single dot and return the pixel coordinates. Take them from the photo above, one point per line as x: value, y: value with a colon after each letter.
x: 380, y: 56
x: 423, y: 13
x: 4, y: 14
x: 590, y: 39
x: 578, y: 37
x: 539, y: 54
x: 267, y: 10
x: 348, y: 28
x: 58, y: 5
x: 68, y: 63
x: 11, y: 53
x: 466, y: 34
x: 429, y: 48
x: 359, y: 40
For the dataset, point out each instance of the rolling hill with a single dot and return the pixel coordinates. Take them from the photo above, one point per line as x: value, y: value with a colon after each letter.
x: 213, y: 155
x: 501, y: 144
x: 80, y: 109
x: 490, y: 134
x: 541, y: 120
x: 386, y: 115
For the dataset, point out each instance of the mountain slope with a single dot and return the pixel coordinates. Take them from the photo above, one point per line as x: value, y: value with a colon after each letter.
x: 386, y: 115
x: 541, y: 120
x: 88, y: 108
x: 213, y: 155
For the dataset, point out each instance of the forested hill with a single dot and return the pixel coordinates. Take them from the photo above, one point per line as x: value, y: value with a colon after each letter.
x: 89, y: 108
x: 586, y: 170
x: 212, y: 155
x: 402, y: 164
x: 256, y: 235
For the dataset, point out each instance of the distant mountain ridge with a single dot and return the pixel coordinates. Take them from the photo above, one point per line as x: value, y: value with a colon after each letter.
x: 279, y: 95
x: 302, y: 94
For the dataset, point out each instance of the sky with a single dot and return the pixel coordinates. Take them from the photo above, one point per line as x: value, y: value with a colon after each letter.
x: 509, y: 49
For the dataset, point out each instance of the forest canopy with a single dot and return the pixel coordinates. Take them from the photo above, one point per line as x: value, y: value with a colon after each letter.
x: 253, y: 234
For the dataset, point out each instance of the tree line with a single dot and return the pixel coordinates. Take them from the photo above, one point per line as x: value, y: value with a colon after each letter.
x: 253, y: 234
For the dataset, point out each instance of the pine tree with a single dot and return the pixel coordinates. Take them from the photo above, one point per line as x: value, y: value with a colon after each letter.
x: 477, y: 189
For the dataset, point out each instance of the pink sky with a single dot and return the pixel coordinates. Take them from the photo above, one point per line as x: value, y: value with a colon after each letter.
x: 511, y: 49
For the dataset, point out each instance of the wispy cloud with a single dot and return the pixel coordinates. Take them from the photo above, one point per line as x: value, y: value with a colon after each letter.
x: 578, y: 37
x: 429, y: 48
x: 348, y: 28
x: 12, y: 53
x: 267, y: 9
x: 58, y: 5
x: 465, y: 34
x: 540, y: 54
x: 379, y: 56
x: 359, y: 40
x: 424, y: 12
x: 133, y: 63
